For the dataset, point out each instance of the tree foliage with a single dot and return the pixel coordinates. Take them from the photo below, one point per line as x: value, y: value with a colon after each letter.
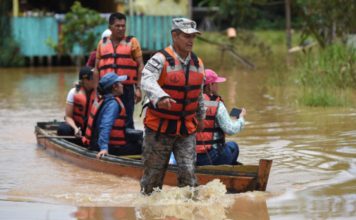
x: 79, y: 29
x: 10, y: 50
x: 327, y: 21
x: 246, y: 13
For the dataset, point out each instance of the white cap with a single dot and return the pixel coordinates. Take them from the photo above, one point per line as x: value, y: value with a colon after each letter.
x: 106, y: 33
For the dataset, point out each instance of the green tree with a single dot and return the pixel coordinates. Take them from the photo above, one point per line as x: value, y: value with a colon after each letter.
x: 327, y: 21
x: 79, y: 29
x: 237, y: 12
x: 248, y: 13
x: 10, y: 50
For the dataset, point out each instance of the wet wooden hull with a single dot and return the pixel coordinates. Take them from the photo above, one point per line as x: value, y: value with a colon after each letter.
x: 236, y: 178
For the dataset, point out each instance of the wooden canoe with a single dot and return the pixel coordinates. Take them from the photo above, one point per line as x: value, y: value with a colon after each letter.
x: 240, y: 178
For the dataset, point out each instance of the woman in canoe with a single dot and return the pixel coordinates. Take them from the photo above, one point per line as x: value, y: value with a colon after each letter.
x: 211, y: 146
x: 106, y: 125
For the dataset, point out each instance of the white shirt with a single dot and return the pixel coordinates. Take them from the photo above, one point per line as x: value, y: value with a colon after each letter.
x: 70, y: 96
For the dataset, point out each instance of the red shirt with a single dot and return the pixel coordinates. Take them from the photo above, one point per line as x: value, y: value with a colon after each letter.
x: 91, y: 60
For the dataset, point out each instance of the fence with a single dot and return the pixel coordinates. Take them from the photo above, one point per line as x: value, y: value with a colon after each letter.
x: 32, y: 33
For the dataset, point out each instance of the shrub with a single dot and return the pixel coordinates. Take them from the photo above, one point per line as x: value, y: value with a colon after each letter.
x: 79, y: 28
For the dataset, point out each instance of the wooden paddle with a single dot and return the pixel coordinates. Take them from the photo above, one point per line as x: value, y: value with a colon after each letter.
x: 56, y: 136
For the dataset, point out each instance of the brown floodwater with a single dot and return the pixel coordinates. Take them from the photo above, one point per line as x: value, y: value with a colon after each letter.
x: 313, y: 152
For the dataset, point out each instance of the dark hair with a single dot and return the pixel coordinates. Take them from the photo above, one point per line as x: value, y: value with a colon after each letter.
x: 206, y: 89
x: 102, y: 91
x: 105, y: 91
x: 116, y: 16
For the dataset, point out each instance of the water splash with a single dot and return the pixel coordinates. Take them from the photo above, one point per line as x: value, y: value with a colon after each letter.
x: 205, y: 194
x: 204, y: 202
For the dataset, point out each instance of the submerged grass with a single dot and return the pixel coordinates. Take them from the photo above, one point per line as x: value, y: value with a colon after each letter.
x: 332, y: 67
x: 324, y: 97
x: 327, y: 76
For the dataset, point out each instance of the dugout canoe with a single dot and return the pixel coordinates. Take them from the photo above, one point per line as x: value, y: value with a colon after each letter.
x: 240, y: 178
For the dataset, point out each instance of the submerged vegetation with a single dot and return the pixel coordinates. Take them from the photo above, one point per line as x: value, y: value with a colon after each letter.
x: 321, y: 76
x: 313, y: 77
x: 332, y: 67
x: 327, y: 77
x: 316, y: 76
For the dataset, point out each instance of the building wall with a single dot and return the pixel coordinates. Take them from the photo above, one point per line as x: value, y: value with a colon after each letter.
x: 34, y: 33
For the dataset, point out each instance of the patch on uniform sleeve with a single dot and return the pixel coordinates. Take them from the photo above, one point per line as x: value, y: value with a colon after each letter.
x: 149, y: 94
x: 155, y: 60
x: 152, y: 67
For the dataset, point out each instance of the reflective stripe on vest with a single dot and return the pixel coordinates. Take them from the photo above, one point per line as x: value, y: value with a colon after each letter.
x: 205, y: 138
x: 81, y: 107
x: 117, y: 134
x: 119, y: 60
x: 182, y: 86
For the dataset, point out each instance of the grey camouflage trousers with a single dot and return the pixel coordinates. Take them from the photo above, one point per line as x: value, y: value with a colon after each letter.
x: 156, y: 155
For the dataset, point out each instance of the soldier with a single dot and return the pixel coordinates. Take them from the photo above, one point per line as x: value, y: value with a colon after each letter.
x: 173, y: 81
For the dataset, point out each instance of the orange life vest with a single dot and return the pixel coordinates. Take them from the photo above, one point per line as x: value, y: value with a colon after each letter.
x: 82, y: 106
x: 182, y: 86
x: 117, y: 134
x: 117, y: 60
x: 205, y: 138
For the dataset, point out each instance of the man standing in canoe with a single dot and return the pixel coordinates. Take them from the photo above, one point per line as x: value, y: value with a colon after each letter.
x: 121, y: 54
x: 173, y: 81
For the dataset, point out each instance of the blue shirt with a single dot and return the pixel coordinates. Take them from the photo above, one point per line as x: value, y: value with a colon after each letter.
x: 109, y: 111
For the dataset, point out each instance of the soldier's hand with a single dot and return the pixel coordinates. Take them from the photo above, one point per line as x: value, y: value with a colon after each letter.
x: 165, y: 103
x: 200, y: 126
x: 138, y: 95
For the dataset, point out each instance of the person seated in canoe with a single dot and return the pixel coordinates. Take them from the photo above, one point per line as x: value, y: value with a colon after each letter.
x: 79, y: 101
x: 211, y: 147
x: 106, y: 124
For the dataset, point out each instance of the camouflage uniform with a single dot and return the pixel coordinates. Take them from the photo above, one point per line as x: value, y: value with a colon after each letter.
x: 156, y: 156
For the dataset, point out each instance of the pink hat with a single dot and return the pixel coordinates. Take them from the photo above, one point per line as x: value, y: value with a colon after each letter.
x: 212, y: 77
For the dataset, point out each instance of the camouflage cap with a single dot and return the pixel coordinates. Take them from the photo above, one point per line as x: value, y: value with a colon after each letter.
x: 185, y: 25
